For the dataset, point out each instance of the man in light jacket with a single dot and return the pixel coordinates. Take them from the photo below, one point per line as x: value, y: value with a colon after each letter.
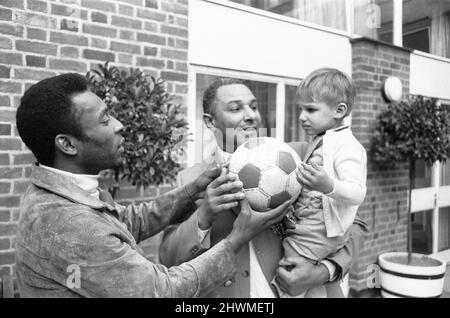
x: 231, y: 111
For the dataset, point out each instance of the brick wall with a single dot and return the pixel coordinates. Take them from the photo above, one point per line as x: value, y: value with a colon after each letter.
x: 40, y: 39
x: 385, y: 206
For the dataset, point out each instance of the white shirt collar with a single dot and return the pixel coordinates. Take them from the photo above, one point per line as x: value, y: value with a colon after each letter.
x: 86, y: 182
x: 221, y: 156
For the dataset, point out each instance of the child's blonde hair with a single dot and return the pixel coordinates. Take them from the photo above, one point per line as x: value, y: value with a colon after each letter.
x: 328, y: 85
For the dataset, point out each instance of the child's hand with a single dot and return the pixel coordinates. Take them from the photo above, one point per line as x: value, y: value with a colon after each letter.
x: 315, y: 178
x: 295, y: 275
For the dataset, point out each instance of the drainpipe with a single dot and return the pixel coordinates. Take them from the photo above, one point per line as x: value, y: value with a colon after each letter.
x: 398, y: 23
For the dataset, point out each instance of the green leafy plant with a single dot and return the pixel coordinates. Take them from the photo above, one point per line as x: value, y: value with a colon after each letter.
x: 412, y: 130
x: 154, y: 127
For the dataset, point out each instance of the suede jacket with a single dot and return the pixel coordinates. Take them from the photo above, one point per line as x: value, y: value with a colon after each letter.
x: 70, y: 244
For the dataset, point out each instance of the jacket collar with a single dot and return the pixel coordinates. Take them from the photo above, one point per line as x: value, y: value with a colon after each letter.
x: 66, y: 188
x: 340, y: 128
x: 218, y: 156
x: 318, y: 140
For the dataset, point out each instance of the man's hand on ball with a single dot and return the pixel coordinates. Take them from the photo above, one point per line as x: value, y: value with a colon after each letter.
x: 222, y: 194
x: 211, y: 173
x: 315, y: 178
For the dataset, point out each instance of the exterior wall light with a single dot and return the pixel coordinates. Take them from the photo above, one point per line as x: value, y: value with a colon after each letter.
x: 393, y: 89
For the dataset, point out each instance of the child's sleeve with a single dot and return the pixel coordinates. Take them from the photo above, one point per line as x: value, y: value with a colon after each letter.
x: 350, y: 165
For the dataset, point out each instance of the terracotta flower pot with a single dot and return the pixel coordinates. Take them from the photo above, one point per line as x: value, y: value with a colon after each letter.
x: 424, y: 278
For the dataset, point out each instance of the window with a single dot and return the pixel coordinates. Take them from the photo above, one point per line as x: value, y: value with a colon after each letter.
x: 265, y: 94
x: 426, y: 25
x: 423, y: 175
x: 329, y: 13
x: 445, y: 174
x: 270, y: 106
x: 421, y: 232
x: 445, y: 167
x: 293, y: 130
x: 436, y: 16
x: 444, y: 229
x: 418, y: 39
x: 416, y: 35
x: 431, y: 228
x: 370, y: 17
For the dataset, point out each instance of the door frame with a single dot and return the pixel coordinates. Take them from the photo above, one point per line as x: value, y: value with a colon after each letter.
x: 433, y: 198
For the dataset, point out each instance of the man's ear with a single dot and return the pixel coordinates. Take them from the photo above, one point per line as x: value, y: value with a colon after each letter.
x: 341, y: 111
x: 66, y: 144
x: 209, y: 121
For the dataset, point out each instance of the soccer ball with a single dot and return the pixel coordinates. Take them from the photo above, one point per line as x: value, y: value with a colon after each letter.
x: 266, y: 167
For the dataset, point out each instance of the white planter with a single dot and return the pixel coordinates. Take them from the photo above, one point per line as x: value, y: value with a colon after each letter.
x: 398, y: 280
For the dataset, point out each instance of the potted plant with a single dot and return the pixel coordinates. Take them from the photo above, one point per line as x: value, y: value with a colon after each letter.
x: 416, y: 129
x: 154, y: 127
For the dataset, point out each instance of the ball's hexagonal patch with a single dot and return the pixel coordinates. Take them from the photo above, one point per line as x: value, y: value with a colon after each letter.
x: 254, y: 142
x: 259, y: 201
x: 278, y: 199
x: 273, y: 180
x: 286, y: 162
x: 249, y: 175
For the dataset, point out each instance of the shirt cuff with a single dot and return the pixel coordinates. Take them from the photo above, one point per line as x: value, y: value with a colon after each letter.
x: 204, y: 237
x: 331, y: 269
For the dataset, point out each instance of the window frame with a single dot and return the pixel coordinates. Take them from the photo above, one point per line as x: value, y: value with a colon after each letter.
x: 349, y: 16
x: 194, y: 70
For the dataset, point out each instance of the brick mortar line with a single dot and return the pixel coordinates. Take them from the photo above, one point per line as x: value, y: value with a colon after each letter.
x: 59, y: 18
